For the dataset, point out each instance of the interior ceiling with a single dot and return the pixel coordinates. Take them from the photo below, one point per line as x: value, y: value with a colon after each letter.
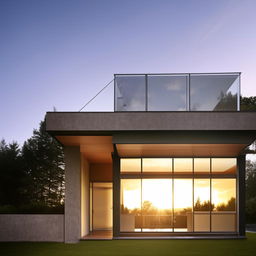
x: 96, y: 149
x: 179, y: 150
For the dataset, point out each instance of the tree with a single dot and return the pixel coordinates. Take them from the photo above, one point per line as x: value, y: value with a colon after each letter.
x: 44, y: 163
x: 229, y: 206
x: 12, y: 175
x: 203, y: 206
x: 250, y: 179
x: 248, y: 103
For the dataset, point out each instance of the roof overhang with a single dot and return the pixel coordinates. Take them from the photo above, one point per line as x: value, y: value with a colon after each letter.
x: 152, y: 134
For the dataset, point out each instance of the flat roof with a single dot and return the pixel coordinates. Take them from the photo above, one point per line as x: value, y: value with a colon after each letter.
x: 59, y: 123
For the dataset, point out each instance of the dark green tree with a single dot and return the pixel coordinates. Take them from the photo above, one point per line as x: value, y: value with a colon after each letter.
x: 248, y: 103
x: 250, y: 179
x: 44, y: 163
x: 12, y: 175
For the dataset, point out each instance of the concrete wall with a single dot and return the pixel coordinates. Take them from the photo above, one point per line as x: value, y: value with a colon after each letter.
x: 57, y: 122
x: 85, y: 197
x: 32, y: 227
x: 72, y: 194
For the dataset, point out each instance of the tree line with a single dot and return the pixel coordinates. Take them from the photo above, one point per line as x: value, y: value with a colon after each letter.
x: 32, y: 176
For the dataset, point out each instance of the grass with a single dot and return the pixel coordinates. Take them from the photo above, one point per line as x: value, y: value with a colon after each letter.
x: 135, y: 247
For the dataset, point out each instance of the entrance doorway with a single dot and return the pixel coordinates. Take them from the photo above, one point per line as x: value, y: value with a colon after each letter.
x: 101, y: 197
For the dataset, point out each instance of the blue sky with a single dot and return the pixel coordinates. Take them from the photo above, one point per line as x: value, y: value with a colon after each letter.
x: 61, y: 53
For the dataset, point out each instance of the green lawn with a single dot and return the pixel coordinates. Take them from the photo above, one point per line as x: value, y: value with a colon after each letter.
x: 135, y: 247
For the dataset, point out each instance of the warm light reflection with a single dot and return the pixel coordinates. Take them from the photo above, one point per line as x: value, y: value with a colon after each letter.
x: 182, y: 193
x: 202, y: 165
x: 158, y: 192
x: 223, y: 190
x: 202, y: 194
x: 224, y: 165
x: 157, y: 165
x: 183, y: 165
x: 182, y: 204
x: 130, y: 165
x: 131, y: 193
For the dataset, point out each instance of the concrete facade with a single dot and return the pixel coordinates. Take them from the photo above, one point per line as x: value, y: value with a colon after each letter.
x: 68, y: 122
x: 32, y: 227
x: 72, y: 194
x: 227, y: 128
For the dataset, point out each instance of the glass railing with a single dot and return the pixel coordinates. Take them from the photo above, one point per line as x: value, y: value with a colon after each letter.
x: 177, y: 92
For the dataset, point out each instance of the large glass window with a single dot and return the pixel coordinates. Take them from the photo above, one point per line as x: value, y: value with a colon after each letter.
x: 156, y: 205
x: 183, y: 165
x: 224, y: 202
x: 167, y: 92
x: 130, y: 217
x: 156, y: 164
x: 130, y: 165
x: 224, y: 165
x: 183, y: 203
x: 202, y: 205
x: 202, y: 165
x: 196, y: 197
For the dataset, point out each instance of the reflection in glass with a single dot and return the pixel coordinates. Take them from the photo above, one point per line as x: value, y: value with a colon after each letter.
x: 202, y: 165
x: 202, y: 205
x: 156, y: 205
x: 130, y: 165
x: 224, y: 165
x: 224, y: 201
x: 214, y: 92
x: 183, y: 202
x: 156, y: 164
x: 224, y: 194
x: 130, y: 93
x: 167, y: 92
x: 182, y: 165
x: 130, y: 218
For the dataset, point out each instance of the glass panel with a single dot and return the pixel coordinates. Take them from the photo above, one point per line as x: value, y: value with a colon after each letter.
x: 130, y: 93
x: 167, y: 92
x: 223, y: 222
x: 183, y: 201
x: 224, y: 165
x: 202, y: 205
x: 130, y: 165
x: 224, y: 194
x: 224, y: 200
x: 130, y: 217
x: 157, y: 165
x: 202, y: 165
x: 157, y: 205
x: 182, y: 165
x: 215, y: 92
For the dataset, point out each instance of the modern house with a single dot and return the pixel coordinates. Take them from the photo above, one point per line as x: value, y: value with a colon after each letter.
x: 168, y: 162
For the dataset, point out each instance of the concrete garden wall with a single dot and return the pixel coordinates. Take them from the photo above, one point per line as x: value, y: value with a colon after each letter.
x: 32, y: 227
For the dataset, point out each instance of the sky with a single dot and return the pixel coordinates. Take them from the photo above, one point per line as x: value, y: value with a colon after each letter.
x: 59, y: 53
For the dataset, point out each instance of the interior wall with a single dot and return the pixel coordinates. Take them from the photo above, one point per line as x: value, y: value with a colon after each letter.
x: 101, y: 172
x: 85, y: 197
